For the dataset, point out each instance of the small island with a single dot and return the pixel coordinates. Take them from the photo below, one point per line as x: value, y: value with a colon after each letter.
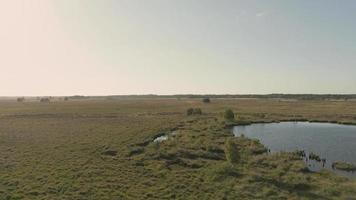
x: 344, y: 166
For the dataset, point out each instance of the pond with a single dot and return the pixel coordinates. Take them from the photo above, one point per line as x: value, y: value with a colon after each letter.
x: 333, y: 142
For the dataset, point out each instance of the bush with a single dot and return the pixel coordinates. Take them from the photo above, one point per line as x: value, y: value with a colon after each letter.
x: 313, y: 156
x: 190, y: 111
x: 194, y: 111
x: 197, y: 111
x: 231, y: 152
x: 229, y: 115
x: 206, y: 100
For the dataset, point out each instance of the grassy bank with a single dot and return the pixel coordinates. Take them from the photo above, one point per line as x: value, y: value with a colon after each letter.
x: 103, y: 149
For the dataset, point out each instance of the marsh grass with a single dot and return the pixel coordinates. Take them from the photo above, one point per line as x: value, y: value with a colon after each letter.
x: 55, y: 151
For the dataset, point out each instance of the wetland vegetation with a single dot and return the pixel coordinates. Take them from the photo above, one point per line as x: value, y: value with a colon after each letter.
x: 99, y: 148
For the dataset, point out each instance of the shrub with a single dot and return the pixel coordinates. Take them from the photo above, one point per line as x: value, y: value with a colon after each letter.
x: 206, y: 100
x: 190, y: 111
x: 197, y: 111
x: 194, y: 111
x: 229, y: 115
x: 231, y: 152
x: 313, y: 156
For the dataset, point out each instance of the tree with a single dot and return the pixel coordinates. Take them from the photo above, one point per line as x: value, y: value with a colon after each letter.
x: 231, y: 151
x: 44, y: 100
x: 229, y: 115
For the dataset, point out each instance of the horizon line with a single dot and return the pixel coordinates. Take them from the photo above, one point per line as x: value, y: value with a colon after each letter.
x: 187, y: 94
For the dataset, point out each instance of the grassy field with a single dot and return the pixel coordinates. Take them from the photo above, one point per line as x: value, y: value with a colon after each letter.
x: 102, y: 149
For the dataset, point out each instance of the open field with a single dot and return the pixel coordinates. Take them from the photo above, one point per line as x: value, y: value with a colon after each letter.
x: 103, y: 149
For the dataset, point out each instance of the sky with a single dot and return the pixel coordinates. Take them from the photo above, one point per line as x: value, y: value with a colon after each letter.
x: 113, y: 47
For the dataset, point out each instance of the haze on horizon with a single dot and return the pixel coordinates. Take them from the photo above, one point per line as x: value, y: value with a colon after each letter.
x: 93, y: 47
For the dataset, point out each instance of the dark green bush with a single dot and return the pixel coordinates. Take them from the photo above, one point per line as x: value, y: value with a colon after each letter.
x: 313, y: 156
x: 229, y: 115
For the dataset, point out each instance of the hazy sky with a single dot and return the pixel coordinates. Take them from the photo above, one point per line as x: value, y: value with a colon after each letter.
x: 95, y: 47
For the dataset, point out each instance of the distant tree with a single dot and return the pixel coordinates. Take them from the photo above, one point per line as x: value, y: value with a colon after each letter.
x: 197, y: 111
x: 206, y: 100
x: 21, y: 99
x: 229, y: 115
x: 66, y: 99
x: 190, y: 111
x: 44, y: 100
x: 231, y: 151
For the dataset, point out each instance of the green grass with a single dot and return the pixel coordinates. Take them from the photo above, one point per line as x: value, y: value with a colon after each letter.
x: 64, y: 150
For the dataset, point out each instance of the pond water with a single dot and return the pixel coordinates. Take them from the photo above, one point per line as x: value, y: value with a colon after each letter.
x: 333, y: 142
